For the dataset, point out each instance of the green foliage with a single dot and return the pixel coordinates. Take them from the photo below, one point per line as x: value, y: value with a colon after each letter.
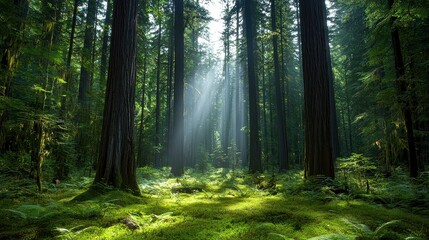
x: 219, y: 212
x: 384, y: 231
x: 71, y: 233
x: 359, y: 167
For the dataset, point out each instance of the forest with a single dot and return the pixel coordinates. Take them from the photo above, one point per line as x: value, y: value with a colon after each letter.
x: 214, y: 119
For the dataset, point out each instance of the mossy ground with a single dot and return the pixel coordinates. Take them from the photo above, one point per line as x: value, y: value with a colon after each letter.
x: 230, y: 207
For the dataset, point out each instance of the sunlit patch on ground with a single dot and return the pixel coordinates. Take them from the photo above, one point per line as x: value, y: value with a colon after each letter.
x: 229, y: 206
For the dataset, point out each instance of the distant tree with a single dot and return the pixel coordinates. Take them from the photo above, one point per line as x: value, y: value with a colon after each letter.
x: 10, y: 50
x: 86, y: 69
x: 116, y: 163
x: 403, y: 87
x: 105, y: 42
x: 281, y: 120
x: 157, y: 140
x: 318, y: 145
x: 250, y: 29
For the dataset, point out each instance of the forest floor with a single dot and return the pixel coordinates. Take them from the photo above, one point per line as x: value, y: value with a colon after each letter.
x: 216, y: 205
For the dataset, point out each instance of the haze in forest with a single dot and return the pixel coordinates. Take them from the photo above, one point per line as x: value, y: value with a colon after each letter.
x: 257, y: 119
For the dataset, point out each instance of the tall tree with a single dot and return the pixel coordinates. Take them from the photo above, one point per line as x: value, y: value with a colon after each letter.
x: 105, y: 42
x: 68, y: 73
x: 158, y: 90
x: 85, y: 83
x: 402, y: 86
x: 250, y: 27
x: 176, y: 156
x: 281, y: 120
x: 116, y: 163
x: 317, y: 122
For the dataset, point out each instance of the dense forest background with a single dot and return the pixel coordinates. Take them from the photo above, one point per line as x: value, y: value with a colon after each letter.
x: 54, y: 71
x: 121, y: 91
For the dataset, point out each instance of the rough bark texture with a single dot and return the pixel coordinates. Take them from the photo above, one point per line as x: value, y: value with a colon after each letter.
x: 250, y: 25
x: 116, y: 164
x: 281, y: 120
x: 317, y: 122
x: 177, y: 158
x: 404, y: 100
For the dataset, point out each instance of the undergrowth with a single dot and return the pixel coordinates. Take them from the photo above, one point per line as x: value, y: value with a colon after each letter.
x: 218, y: 204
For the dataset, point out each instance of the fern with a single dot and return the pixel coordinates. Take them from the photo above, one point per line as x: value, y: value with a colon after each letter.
x: 71, y: 233
x: 385, y: 225
x: 277, y: 236
x: 331, y: 237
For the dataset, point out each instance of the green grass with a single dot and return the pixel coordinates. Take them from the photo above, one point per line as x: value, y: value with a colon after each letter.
x: 230, y: 207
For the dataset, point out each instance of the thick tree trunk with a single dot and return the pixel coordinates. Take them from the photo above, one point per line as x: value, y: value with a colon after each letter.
x: 404, y: 100
x: 318, y: 140
x: 177, y: 158
x: 255, y: 151
x: 281, y: 120
x: 116, y: 163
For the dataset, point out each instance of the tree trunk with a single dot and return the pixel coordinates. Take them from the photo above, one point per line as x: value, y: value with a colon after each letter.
x: 85, y: 86
x: 105, y: 42
x: 317, y: 108
x: 85, y: 71
x: 140, y: 158
x: 177, y: 157
x: 281, y: 120
x: 238, y: 107
x: 255, y: 151
x: 170, y: 91
x: 334, y: 121
x: 158, y: 97
x: 403, y: 98
x: 68, y: 77
x: 116, y: 163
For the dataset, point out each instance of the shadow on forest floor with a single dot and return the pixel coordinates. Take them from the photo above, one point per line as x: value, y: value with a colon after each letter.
x: 229, y: 206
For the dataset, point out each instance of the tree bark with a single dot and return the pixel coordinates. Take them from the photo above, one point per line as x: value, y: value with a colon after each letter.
x: 177, y: 158
x: 250, y: 24
x: 317, y: 109
x: 116, y: 163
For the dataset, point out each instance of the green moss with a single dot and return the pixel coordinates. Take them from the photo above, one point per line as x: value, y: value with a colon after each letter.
x: 229, y: 208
